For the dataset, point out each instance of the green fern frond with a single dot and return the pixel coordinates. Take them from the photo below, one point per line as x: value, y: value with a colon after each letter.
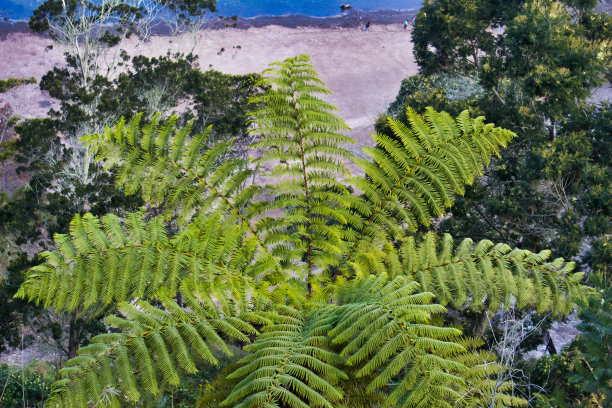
x: 171, y: 168
x: 356, y: 392
x: 414, y: 176
x: 108, y: 261
x: 484, y: 276
x: 290, y: 365
x: 216, y: 391
x: 384, y: 324
x: 301, y: 141
x: 154, y: 348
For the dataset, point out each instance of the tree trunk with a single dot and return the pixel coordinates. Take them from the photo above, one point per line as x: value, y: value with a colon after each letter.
x: 552, y: 130
x: 73, y: 336
x: 476, y: 59
x: 550, y: 346
x: 483, y: 323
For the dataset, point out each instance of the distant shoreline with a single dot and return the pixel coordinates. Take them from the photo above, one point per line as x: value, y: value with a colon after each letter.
x: 348, y: 19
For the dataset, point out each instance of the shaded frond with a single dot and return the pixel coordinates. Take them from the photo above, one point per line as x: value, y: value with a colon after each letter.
x: 154, y: 348
x: 384, y: 325
x: 290, y: 365
x: 170, y: 167
x: 483, y: 382
x: 174, y: 169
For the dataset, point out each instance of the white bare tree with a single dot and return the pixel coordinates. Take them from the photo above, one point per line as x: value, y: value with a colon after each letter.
x: 6, y: 113
x: 89, y: 30
x: 191, y: 26
x: 90, y: 33
x: 509, y: 330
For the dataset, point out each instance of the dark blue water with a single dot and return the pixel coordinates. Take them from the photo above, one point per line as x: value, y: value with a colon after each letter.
x: 22, y: 9
x: 317, y: 8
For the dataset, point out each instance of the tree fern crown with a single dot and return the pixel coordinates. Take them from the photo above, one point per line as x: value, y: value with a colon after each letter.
x: 315, y: 273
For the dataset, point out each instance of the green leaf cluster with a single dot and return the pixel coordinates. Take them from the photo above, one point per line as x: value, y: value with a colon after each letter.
x: 540, y: 76
x: 581, y: 375
x: 28, y: 386
x: 6, y: 84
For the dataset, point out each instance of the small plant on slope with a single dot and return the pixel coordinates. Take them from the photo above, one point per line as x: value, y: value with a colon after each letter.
x: 331, y: 295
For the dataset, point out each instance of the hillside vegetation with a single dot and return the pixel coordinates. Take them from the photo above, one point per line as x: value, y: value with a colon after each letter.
x: 210, y: 240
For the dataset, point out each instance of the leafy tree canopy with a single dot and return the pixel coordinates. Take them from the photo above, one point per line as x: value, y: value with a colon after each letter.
x: 450, y: 35
x: 52, y: 14
x: 536, y: 80
x: 552, y: 59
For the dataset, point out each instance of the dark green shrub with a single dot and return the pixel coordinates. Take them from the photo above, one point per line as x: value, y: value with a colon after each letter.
x: 25, y: 386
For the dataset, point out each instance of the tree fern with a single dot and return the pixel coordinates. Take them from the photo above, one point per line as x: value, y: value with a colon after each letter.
x: 340, y: 304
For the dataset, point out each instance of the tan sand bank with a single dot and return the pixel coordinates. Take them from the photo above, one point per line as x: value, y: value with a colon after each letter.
x: 364, y: 70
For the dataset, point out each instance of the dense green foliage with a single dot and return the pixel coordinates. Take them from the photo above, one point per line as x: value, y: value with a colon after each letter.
x: 223, y: 254
x: 24, y: 386
x: 592, y: 372
x: 16, y: 312
x: 531, y: 66
x: 61, y: 180
x: 581, y: 375
x: 551, y: 189
x: 451, y: 35
x: 329, y: 293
